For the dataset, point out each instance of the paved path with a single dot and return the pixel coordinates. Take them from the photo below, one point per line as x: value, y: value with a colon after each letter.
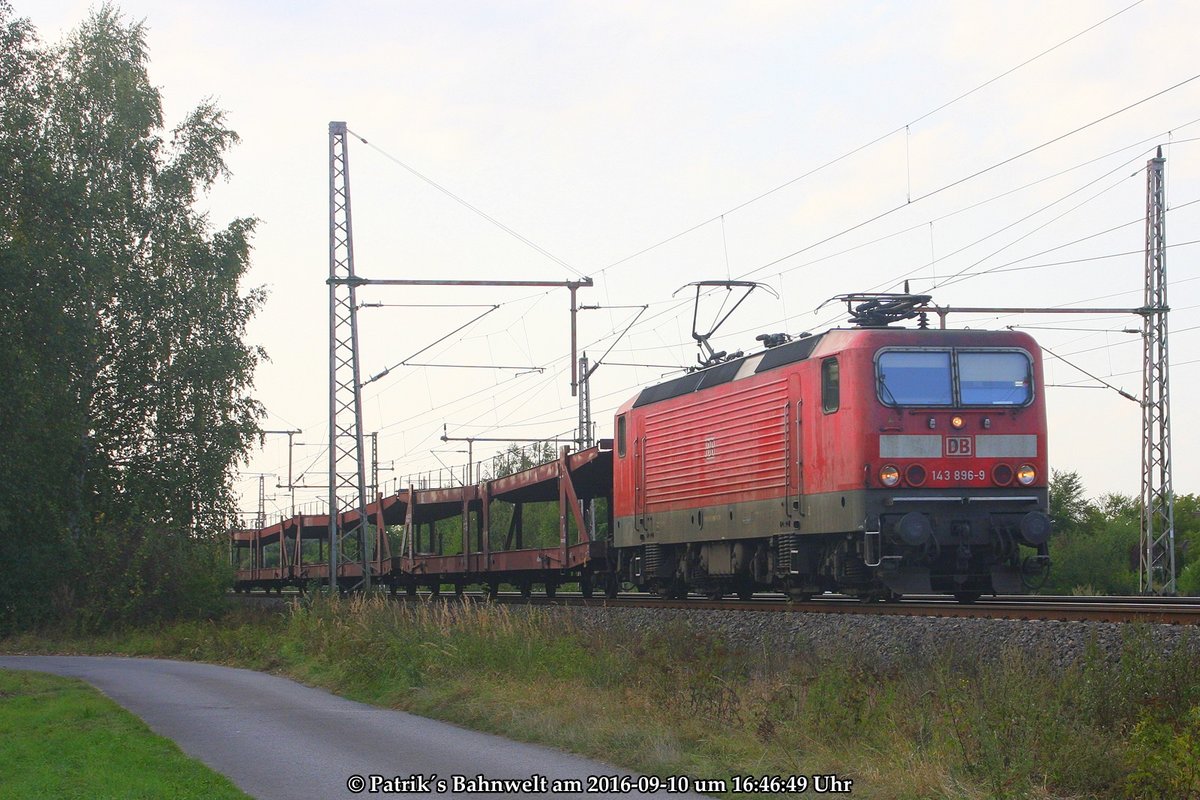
x: 278, y: 739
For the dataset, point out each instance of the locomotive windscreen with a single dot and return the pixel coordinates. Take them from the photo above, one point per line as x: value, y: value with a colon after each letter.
x: 953, y: 377
x: 994, y: 379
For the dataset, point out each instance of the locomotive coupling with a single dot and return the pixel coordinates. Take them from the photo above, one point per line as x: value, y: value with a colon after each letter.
x: 1035, y: 528
x: 914, y: 529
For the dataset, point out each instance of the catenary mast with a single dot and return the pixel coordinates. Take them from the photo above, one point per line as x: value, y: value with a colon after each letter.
x: 1157, y: 550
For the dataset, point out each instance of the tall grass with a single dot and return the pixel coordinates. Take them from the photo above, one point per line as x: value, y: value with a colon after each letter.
x: 681, y: 701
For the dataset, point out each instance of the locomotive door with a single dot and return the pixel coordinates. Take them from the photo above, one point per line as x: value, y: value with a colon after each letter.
x: 639, y: 483
x: 798, y: 458
x: 793, y: 427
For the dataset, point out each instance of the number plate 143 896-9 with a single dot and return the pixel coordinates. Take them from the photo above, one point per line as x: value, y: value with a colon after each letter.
x: 960, y: 475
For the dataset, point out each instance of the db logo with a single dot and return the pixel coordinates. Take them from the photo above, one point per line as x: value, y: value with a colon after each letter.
x: 959, y: 446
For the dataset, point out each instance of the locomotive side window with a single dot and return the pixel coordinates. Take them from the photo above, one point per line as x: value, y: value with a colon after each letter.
x: 830, y: 386
x: 915, y: 378
x: 994, y: 379
x: 621, y: 436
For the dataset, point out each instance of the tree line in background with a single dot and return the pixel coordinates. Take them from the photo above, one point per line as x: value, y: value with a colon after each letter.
x: 126, y: 381
x: 1094, y: 549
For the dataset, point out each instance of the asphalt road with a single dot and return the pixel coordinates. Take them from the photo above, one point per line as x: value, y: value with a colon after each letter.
x: 278, y: 739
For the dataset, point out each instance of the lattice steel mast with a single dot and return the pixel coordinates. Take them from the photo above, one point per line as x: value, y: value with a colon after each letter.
x: 347, y: 467
x: 1157, y: 550
x: 584, y: 431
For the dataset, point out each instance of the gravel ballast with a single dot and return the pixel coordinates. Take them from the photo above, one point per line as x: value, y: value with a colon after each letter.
x: 890, y: 639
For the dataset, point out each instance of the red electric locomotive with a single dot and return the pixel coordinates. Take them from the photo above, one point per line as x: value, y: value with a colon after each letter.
x: 870, y: 461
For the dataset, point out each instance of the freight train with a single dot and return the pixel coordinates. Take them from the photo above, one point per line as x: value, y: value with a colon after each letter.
x: 872, y: 460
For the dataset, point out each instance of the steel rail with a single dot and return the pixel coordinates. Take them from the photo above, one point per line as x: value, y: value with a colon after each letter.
x: 1158, y: 610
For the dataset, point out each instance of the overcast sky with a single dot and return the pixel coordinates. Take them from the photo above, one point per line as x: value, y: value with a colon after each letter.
x: 597, y: 130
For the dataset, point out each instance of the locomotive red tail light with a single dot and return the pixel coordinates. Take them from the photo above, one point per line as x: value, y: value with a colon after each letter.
x: 1026, y: 475
x: 915, y: 475
x: 889, y: 476
x: 1002, y: 474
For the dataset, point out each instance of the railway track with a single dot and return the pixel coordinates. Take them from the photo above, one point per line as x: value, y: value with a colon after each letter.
x: 1160, y: 610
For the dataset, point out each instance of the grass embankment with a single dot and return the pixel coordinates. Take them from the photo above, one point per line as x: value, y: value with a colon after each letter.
x: 680, y: 702
x: 61, y: 738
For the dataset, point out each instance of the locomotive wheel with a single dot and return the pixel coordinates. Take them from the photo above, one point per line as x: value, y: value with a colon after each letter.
x: 799, y: 597
x: 526, y: 589
x: 411, y: 590
x: 675, y: 590
x: 585, y: 586
x: 435, y: 589
x: 612, y: 586
x: 966, y: 598
x: 458, y: 589
x: 715, y: 594
x: 493, y: 589
x: 551, y: 588
x: 746, y: 593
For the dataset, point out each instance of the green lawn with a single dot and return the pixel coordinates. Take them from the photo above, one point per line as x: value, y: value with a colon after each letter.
x: 60, y: 738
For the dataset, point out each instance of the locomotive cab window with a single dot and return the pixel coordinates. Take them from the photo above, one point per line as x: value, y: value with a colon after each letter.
x: 915, y: 378
x: 621, y: 436
x: 1002, y: 378
x: 954, y: 377
x: 830, y: 386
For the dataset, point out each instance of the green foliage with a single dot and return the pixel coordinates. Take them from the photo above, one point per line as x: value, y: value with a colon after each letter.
x: 1095, y: 546
x: 61, y: 738
x: 1069, y: 507
x: 121, y: 324
x: 516, y: 458
x: 1104, y: 560
x: 1164, y: 758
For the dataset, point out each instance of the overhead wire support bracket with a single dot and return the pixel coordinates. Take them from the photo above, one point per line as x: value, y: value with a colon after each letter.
x: 436, y: 342
x: 572, y: 286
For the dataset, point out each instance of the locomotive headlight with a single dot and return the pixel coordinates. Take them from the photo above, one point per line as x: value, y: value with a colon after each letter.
x: 956, y: 422
x: 1026, y: 474
x: 889, y: 476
